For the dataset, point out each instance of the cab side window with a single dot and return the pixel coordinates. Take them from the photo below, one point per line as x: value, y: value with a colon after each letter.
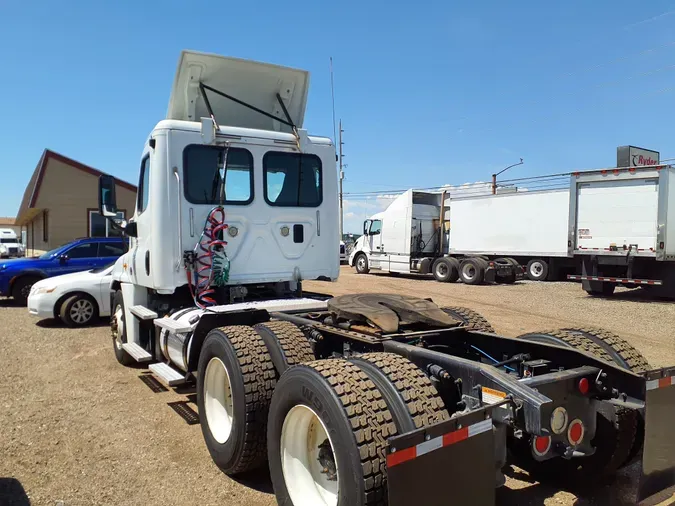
x: 144, y: 185
x: 376, y: 227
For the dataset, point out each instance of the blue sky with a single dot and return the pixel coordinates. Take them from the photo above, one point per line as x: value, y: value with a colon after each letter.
x: 430, y: 93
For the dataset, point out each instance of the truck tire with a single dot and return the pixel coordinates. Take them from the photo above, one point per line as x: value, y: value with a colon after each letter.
x: 21, y: 289
x: 606, y: 290
x: 617, y: 428
x: 361, y: 264
x: 472, y: 270
x: 411, y: 397
x: 235, y: 382
x: 78, y: 310
x: 286, y: 343
x: 446, y: 270
x: 118, y: 330
x: 537, y: 269
x: 469, y: 318
x: 328, y: 427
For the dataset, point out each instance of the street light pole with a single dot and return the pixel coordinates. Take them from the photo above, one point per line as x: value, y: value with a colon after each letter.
x: 494, y: 176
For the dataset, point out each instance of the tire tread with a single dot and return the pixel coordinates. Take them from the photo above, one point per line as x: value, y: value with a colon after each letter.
x: 472, y: 320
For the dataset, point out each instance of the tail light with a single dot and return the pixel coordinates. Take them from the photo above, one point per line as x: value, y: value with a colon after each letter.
x: 541, y: 445
x: 575, y: 432
x: 583, y: 386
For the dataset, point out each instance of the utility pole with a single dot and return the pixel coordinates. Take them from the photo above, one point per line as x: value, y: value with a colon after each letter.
x: 342, y: 176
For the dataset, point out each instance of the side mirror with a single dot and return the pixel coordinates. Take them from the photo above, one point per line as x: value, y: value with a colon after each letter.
x: 107, y: 202
x: 63, y: 259
x: 366, y: 226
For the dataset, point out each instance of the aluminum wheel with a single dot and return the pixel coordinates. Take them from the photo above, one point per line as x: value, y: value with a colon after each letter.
x: 361, y: 263
x: 441, y: 269
x: 117, y: 326
x: 468, y: 272
x: 218, y: 403
x: 308, y: 459
x: 81, y: 311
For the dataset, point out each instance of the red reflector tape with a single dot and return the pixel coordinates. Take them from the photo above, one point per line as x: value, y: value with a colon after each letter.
x: 400, y: 456
x: 660, y: 383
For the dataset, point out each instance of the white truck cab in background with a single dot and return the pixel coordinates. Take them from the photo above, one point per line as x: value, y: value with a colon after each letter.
x: 10, y: 244
x: 411, y: 236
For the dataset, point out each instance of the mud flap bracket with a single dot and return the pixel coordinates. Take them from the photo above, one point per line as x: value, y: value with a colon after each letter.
x: 658, y: 461
x: 452, y: 462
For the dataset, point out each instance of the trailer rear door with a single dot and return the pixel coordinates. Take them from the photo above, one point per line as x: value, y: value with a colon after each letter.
x: 616, y: 214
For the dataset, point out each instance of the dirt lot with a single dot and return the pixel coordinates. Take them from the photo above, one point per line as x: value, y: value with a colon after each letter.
x: 80, y: 429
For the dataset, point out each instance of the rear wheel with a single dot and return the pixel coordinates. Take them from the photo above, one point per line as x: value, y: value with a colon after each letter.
x: 234, y: 386
x: 472, y: 270
x: 537, y: 269
x: 361, y: 264
x: 469, y: 318
x: 615, y: 440
x: 21, y: 289
x: 446, y: 270
x: 328, y: 426
x: 286, y: 343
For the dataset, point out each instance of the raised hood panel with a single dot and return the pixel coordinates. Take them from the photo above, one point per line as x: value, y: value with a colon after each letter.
x: 252, y: 82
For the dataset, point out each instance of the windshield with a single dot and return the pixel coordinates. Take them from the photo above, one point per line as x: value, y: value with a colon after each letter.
x: 51, y: 253
x: 8, y: 241
x: 101, y: 269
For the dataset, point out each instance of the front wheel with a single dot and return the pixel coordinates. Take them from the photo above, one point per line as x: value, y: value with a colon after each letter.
x: 361, y: 263
x: 327, y: 433
x: 21, y: 289
x: 118, y: 329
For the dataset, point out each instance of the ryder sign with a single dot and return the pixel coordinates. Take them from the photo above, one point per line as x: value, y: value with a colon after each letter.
x: 631, y: 156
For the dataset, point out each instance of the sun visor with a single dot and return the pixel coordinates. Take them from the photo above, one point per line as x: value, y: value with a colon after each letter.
x: 256, y: 84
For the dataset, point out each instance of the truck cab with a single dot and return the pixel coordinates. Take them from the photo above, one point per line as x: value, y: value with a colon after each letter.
x: 10, y: 244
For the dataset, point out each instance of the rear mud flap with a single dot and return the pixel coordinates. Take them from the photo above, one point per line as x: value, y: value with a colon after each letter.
x: 452, y: 462
x: 657, y: 479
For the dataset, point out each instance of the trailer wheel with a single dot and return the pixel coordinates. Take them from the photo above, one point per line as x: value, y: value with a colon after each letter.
x: 469, y: 318
x: 361, y: 264
x: 327, y: 433
x: 118, y: 329
x: 286, y: 343
x: 411, y: 397
x: 537, y: 269
x: 235, y: 382
x: 472, y: 270
x: 446, y: 270
x: 615, y: 437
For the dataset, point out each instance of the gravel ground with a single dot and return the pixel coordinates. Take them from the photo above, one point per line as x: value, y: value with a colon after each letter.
x: 79, y: 429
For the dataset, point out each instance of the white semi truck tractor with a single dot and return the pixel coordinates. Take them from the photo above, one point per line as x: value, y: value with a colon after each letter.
x: 363, y: 399
x: 412, y: 236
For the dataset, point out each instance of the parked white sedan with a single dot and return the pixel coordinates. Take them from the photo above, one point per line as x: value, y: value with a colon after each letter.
x: 77, y: 299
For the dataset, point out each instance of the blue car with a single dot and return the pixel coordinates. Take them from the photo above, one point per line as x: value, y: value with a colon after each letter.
x: 18, y: 276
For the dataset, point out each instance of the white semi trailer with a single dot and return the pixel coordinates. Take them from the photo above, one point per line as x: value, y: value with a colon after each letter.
x: 411, y: 236
x: 359, y: 400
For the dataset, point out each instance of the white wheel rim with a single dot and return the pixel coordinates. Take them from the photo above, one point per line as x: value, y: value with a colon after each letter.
x: 469, y: 271
x: 361, y: 263
x: 442, y: 269
x: 536, y: 269
x: 81, y: 311
x: 218, y: 400
x: 118, y: 326
x: 306, y: 480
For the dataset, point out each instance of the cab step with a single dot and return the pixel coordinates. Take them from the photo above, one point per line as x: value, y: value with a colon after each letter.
x: 136, y: 352
x: 142, y: 312
x: 167, y: 374
x: 172, y: 325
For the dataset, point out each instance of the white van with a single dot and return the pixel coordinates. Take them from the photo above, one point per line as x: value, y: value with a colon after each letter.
x: 10, y: 245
